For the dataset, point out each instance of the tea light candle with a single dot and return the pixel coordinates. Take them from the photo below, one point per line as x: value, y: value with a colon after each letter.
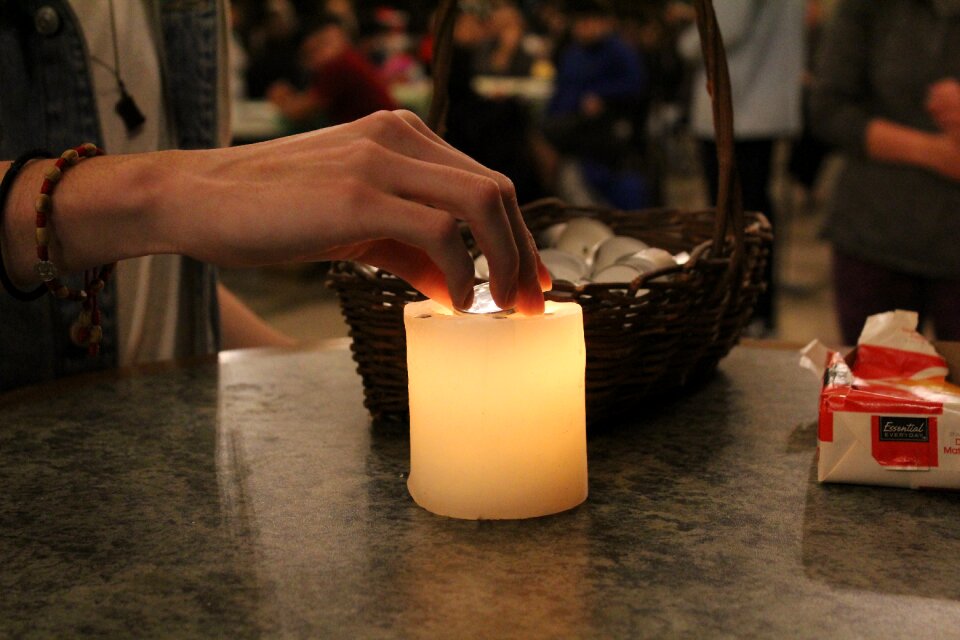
x: 497, y: 416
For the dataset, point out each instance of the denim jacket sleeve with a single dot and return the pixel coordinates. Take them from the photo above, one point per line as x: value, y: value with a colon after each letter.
x: 47, y: 101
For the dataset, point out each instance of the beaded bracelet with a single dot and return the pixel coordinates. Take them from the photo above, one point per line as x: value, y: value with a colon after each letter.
x: 86, y: 331
x: 5, y: 187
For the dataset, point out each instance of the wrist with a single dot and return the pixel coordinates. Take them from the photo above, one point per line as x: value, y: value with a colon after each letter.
x: 108, y: 210
x: 943, y: 154
x: 18, y: 232
x: 931, y: 151
x: 162, y: 200
x: 103, y: 210
x: 179, y: 182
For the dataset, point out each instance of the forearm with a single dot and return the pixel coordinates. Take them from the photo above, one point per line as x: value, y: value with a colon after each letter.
x: 382, y: 190
x: 887, y: 141
x: 241, y: 328
x: 104, y: 210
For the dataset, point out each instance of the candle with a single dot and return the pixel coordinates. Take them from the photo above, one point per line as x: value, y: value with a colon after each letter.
x: 497, y: 417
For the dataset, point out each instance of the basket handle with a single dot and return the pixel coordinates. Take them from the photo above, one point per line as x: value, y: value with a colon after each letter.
x: 444, y: 21
x: 729, y: 195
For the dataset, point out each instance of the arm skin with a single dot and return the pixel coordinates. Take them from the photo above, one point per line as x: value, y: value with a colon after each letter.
x: 384, y: 190
x: 837, y: 102
x: 936, y: 152
x: 943, y: 103
x: 241, y: 328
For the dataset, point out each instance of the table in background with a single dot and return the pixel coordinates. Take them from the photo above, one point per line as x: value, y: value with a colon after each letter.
x: 252, y: 497
x: 534, y: 90
x: 256, y: 121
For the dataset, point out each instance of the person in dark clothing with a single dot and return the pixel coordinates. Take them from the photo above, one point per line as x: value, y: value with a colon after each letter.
x: 495, y: 131
x: 892, y: 220
x: 600, y: 87
x: 808, y: 152
x: 269, y: 33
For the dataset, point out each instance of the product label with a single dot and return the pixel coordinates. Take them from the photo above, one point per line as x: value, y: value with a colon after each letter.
x: 900, y: 429
x: 904, y: 441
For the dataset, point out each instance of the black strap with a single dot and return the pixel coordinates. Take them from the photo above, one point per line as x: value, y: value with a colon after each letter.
x: 5, y: 187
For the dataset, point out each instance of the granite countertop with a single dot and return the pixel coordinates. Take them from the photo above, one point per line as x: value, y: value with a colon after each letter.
x: 252, y: 498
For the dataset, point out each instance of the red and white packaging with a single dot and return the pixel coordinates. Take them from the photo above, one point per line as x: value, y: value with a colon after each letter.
x: 887, y: 414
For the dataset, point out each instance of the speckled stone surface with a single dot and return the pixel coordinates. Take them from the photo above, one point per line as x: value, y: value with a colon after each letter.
x: 252, y: 498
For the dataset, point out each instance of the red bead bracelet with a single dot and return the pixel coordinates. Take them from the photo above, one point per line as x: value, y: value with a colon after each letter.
x: 86, y: 331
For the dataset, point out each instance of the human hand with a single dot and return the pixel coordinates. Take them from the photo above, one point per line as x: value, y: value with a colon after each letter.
x: 944, y: 156
x: 383, y: 190
x: 943, y: 103
x: 887, y: 141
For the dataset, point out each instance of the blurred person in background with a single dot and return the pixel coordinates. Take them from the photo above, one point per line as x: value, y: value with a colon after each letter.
x: 344, y: 85
x: 649, y: 28
x: 269, y: 31
x: 344, y: 10
x: 600, y: 88
x: 497, y: 132
x: 765, y: 52
x: 501, y: 53
x: 886, y: 93
x: 386, y: 41
x: 808, y: 153
x: 551, y: 23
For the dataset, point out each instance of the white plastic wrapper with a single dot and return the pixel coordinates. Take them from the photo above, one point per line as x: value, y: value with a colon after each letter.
x: 887, y: 414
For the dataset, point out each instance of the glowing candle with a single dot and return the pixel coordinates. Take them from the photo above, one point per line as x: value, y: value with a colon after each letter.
x: 497, y: 418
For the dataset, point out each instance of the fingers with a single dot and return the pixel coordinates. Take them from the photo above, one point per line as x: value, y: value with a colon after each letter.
x: 435, y: 234
x: 427, y: 146
x: 943, y: 103
x: 530, y: 295
x: 441, y: 188
x: 445, y: 187
x: 397, y: 166
x: 543, y: 275
x: 413, y: 265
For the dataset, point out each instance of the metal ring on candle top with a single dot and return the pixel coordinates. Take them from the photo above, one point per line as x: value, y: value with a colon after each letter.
x: 483, y: 303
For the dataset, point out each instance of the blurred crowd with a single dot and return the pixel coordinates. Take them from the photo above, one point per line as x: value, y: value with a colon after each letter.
x: 613, y: 73
x: 585, y: 99
x: 623, y: 80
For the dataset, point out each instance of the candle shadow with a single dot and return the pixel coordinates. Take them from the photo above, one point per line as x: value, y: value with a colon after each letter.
x: 881, y: 539
x: 622, y: 412
x: 666, y: 438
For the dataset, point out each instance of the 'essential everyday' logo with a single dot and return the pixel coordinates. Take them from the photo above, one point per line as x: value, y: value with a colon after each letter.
x: 900, y: 429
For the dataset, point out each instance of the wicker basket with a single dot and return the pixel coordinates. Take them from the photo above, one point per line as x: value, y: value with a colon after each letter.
x: 644, y: 339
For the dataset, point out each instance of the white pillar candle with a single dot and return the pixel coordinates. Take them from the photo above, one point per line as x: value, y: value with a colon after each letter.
x: 497, y: 417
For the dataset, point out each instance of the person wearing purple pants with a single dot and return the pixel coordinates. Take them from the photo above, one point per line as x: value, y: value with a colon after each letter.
x: 887, y: 94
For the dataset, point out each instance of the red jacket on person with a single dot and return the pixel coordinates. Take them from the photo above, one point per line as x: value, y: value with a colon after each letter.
x: 350, y: 87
